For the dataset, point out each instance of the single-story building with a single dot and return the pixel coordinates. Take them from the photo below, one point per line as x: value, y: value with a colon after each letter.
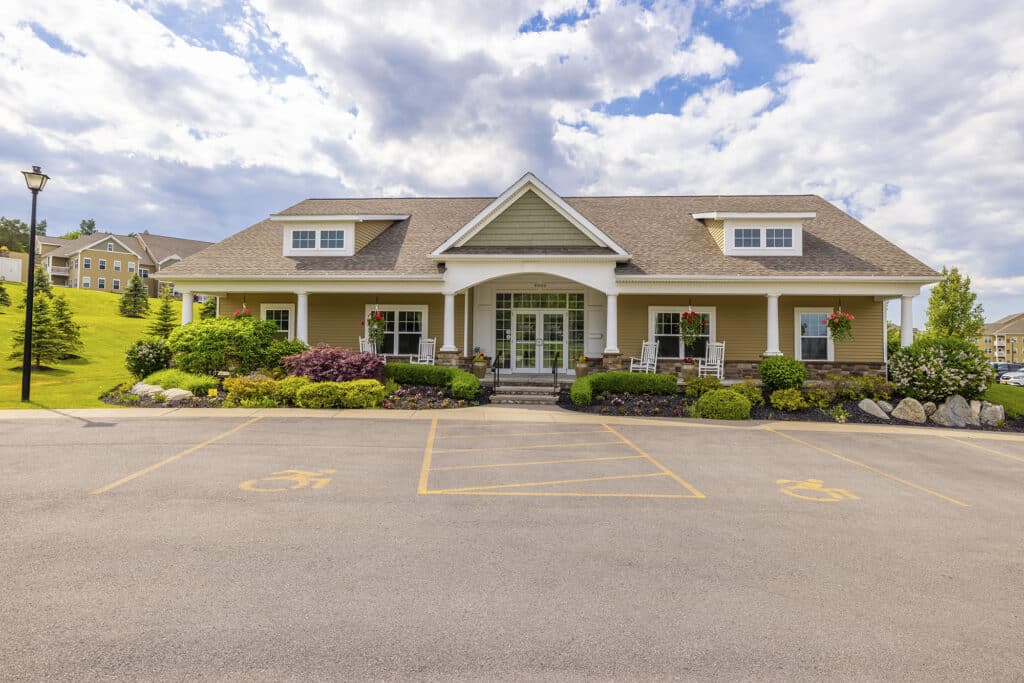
x: 542, y: 279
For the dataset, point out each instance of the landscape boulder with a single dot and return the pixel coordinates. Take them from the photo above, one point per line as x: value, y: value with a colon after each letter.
x: 886, y: 406
x: 177, y: 397
x: 992, y: 415
x: 872, y: 409
x: 910, y: 410
x: 955, y: 411
x: 929, y: 408
x: 147, y: 390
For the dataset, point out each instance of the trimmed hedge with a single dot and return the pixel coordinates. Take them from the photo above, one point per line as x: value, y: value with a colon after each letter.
x: 240, y: 345
x: 583, y: 388
x: 359, y: 393
x: 749, y: 391
x: 782, y: 372
x: 179, y: 379
x: 722, y: 404
x: 698, y: 386
x: 462, y: 385
x: 257, y: 391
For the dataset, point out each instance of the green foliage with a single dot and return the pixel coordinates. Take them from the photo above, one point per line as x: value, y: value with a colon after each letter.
x: 782, y: 372
x: 427, y: 375
x: 261, y: 402
x: 749, y: 391
x: 208, y: 309
x: 281, y: 348
x: 173, y: 378
x: 135, y: 300
x: 285, y: 390
x: 722, y: 404
x: 934, y: 367
x: 839, y: 414
x: 893, y: 339
x: 259, y: 391
x: 5, y: 298
x: 634, y: 383
x: 820, y: 397
x: 14, y: 233
x: 788, y: 400
x: 359, y: 393
x: 148, y: 355
x: 41, y: 283
x: 952, y: 311
x: 1009, y: 397
x: 698, y: 386
x: 87, y: 227
x: 855, y: 388
x: 464, y: 385
x: 581, y: 393
x: 239, y: 345
x: 166, y: 320
x: 47, y: 346
x: 68, y: 331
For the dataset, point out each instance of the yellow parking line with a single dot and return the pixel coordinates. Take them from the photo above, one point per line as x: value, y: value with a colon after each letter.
x: 528, y: 448
x: 425, y: 472
x: 983, y: 448
x: 556, y: 494
x: 550, y: 483
x: 477, y: 435
x: 176, y: 456
x: 871, y: 469
x: 535, y: 462
x: 686, y: 485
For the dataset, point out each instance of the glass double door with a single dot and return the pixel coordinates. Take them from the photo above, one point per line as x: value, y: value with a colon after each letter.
x: 538, y: 340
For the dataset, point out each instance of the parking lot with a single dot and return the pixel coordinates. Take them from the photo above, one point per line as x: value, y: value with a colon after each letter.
x: 536, y: 545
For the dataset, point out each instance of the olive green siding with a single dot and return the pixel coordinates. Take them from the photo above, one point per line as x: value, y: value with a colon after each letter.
x: 529, y: 221
x: 368, y: 231
x: 717, y: 230
x: 867, y: 345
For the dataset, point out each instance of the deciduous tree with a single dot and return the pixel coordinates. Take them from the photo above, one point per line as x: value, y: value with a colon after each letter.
x: 952, y: 311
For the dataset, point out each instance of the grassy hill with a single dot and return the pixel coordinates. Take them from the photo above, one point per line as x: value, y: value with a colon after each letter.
x: 74, y: 383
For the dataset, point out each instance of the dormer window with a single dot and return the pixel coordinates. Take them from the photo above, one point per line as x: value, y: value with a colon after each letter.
x: 335, y: 240
x: 778, y: 238
x: 304, y: 239
x: 757, y: 234
x: 332, y: 239
x: 747, y: 238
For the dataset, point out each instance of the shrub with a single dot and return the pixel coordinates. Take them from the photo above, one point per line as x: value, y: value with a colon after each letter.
x: 360, y: 393
x: 324, y: 363
x: 243, y: 390
x: 839, y: 414
x: 285, y: 390
x: 426, y: 375
x: 179, y: 379
x: 933, y: 368
x: 854, y: 388
x: 464, y: 385
x: 723, y: 404
x: 147, y: 355
x: 698, y: 386
x: 788, y: 400
x: 749, y: 391
x: 281, y: 349
x: 820, y: 397
x: 260, y: 402
x: 207, y: 346
x: 581, y: 393
x: 781, y: 372
x: 634, y: 383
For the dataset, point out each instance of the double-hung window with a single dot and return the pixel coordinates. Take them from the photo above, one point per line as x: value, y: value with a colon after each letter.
x: 86, y: 282
x: 110, y: 246
x: 116, y: 285
x: 663, y: 327
x: 812, y: 339
x: 144, y: 273
x: 131, y: 266
x: 103, y: 264
x: 101, y: 283
x: 117, y: 266
x: 87, y: 262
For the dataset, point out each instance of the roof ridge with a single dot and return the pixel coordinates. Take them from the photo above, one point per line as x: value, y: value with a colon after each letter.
x: 567, y: 196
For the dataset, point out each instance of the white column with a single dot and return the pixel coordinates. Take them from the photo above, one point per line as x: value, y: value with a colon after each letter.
x: 302, y: 317
x: 611, y: 336
x: 906, y: 320
x: 186, y: 306
x: 773, y: 326
x: 448, y: 344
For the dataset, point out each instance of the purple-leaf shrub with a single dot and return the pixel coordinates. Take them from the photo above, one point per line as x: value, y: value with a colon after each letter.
x: 324, y: 363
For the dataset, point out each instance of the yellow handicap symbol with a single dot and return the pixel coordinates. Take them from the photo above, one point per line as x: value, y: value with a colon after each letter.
x: 301, y: 479
x: 799, y: 488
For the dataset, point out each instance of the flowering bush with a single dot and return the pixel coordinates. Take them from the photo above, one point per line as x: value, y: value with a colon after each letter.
x: 934, y: 367
x: 840, y: 324
x: 691, y: 326
x: 324, y: 363
x: 375, y: 327
x: 147, y: 355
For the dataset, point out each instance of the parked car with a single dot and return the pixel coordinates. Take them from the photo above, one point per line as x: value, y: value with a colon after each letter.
x: 1014, y: 378
x: 1003, y: 368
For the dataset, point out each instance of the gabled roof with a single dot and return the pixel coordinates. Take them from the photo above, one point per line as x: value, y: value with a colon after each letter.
x: 84, y: 242
x: 150, y: 249
x: 54, y: 241
x: 659, y: 233
x: 528, y: 183
x: 163, y: 248
x: 1010, y: 324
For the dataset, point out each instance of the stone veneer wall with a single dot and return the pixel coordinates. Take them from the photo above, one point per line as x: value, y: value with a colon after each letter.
x: 748, y: 369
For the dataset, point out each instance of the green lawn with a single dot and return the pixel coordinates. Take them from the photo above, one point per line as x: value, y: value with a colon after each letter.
x: 73, y: 383
x: 1011, y: 398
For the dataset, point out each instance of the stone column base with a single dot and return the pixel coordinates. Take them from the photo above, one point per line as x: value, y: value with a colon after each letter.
x: 611, y: 361
x: 448, y: 359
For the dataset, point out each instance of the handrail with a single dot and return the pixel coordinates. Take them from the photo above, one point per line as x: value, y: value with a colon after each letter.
x: 554, y: 370
x: 496, y: 371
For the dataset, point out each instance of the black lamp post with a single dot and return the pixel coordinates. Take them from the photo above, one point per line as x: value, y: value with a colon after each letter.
x: 36, y: 181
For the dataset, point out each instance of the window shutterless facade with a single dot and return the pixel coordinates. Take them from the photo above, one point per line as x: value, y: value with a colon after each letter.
x: 86, y: 282
x: 116, y: 285
x: 663, y: 327
x: 330, y: 241
x: 103, y: 264
x: 131, y: 266
x: 812, y: 340
x: 778, y: 238
x: 101, y: 283
x: 110, y: 246
x: 87, y: 262
x: 404, y: 326
x: 117, y: 266
x: 282, y: 315
x: 144, y: 272
x: 303, y: 239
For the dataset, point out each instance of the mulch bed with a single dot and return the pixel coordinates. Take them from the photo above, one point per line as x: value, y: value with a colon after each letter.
x: 414, y: 397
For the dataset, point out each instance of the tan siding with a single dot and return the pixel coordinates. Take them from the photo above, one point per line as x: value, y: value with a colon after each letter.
x: 867, y: 344
x: 529, y: 221
x: 23, y: 257
x: 368, y: 231
x: 717, y: 230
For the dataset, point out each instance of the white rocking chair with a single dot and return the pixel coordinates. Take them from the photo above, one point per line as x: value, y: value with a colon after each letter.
x: 648, y: 360
x: 426, y: 354
x: 713, y: 363
x: 367, y: 346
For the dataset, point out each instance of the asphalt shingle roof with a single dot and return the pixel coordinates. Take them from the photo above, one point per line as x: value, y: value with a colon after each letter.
x: 660, y: 234
x: 1011, y: 324
x: 155, y: 249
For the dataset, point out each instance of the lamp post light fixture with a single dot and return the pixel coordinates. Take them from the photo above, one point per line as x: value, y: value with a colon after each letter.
x: 36, y: 181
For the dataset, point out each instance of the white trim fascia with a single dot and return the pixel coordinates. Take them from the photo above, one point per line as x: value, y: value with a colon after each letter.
x: 772, y: 279
x: 754, y: 215
x: 307, y: 278
x: 351, y: 218
x: 103, y: 239
x: 160, y: 263
x: 530, y: 257
x: 508, y: 197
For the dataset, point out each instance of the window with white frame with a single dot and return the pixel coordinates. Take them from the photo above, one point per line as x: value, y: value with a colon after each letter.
x: 778, y: 238
x: 116, y: 285
x: 117, y: 266
x: 103, y: 264
x: 110, y: 246
x: 663, y: 327
x: 303, y: 239
x: 812, y: 339
x: 282, y: 315
x: 101, y: 283
x: 131, y: 266
x: 747, y: 238
x: 332, y: 239
x: 87, y: 262
x: 86, y: 282
x: 144, y: 273
x: 404, y: 326
x: 335, y: 240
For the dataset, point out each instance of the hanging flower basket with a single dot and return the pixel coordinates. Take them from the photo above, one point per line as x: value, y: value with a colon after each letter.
x: 242, y: 313
x: 840, y: 325
x: 691, y: 326
x: 375, y: 325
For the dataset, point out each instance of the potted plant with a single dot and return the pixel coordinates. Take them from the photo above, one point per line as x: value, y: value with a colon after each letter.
x: 840, y: 325
x: 688, y: 369
x: 479, y: 363
x: 581, y: 366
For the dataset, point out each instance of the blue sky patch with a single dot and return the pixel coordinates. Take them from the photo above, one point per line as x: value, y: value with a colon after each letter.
x: 54, y: 41
x: 538, y: 22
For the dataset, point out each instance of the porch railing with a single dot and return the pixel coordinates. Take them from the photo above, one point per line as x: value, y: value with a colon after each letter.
x: 496, y: 372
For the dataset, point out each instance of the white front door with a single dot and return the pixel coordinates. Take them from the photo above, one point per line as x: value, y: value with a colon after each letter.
x: 538, y: 340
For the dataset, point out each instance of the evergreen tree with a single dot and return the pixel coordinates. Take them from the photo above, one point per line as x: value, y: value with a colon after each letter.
x: 87, y: 227
x: 951, y: 308
x: 69, y: 332
x: 208, y: 309
x: 166, y: 318
x: 47, y: 346
x: 42, y: 283
x: 135, y: 300
x: 5, y: 298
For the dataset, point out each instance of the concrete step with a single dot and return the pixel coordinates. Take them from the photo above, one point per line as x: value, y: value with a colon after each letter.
x: 524, y: 389
x: 523, y: 399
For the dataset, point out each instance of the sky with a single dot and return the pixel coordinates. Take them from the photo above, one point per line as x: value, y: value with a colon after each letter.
x: 198, y: 118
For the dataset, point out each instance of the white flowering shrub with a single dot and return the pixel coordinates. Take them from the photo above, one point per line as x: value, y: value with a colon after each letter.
x: 933, y: 368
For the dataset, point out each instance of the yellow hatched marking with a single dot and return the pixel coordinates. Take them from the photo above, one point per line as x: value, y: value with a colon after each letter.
x: 686, y: 485
x: 550, y: 483
x: 535, y: 462
x: 983, y: 448
x: 428, y: 451
x: 869, y: 468
x: 527, y: 448
x: 176, y: 456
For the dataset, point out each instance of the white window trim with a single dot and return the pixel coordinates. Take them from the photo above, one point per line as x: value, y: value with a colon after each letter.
x: 281, y: 307
x: 348, y: 229
x: 131, y: 266
x: 425, y: 310
x: 117, y: 266
x: 87, y: 262
x: 110, y: 246
x: 86, y: 282
x: 731, y: 226
x: 115, y: 285
x: 797, y: 350
x: 144, y: 273
x: 653, y: 311
x: 101, y: 283
x: 102, y: 264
